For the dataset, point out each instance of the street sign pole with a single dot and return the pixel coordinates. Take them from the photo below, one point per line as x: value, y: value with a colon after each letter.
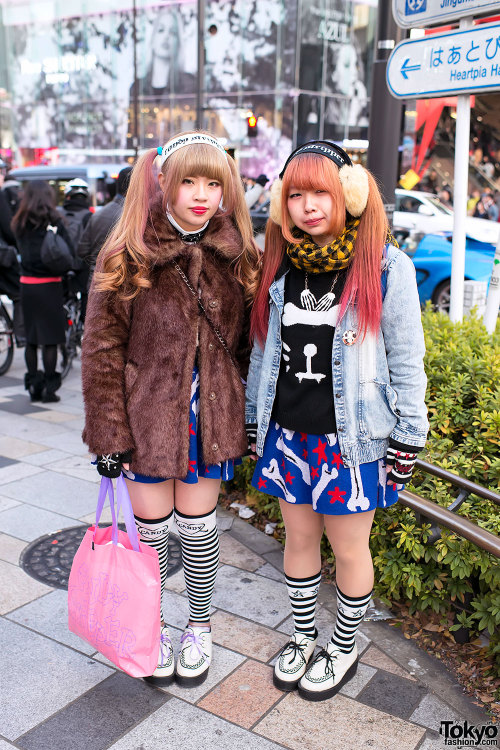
x: 460, y: 191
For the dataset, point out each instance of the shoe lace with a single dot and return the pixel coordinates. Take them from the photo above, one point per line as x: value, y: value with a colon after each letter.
x: 196, y: 642
x: 295, y: 649
x: 165, y: 641
x: 329, y: 658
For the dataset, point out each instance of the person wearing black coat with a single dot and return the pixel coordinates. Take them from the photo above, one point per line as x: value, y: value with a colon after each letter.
x: 41, y: 290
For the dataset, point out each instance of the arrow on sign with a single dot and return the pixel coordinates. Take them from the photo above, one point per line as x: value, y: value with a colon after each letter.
x: 406, y: 68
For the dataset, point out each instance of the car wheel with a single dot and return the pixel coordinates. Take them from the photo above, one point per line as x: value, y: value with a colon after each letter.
x: 441, y: 297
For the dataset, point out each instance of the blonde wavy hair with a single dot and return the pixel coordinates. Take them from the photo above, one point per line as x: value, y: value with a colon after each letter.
x: 125, y: 260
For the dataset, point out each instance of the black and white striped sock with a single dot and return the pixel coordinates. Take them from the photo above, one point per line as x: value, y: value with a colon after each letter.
x: 350, y: 613
x: 200, y: 557
x: 155, y: 531
x: 303, y: 593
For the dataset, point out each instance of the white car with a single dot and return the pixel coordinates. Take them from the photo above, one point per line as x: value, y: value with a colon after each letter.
x: 423, y: 213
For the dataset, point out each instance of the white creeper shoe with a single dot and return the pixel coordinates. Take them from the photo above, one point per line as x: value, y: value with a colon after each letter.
x: 329, y: 671
x: 194, y: 657
x: 293, y: 660
x: 164, y: 672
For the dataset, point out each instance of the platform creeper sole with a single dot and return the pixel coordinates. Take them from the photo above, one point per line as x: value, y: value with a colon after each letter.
x: 285, y: 685
x: 191, y: 681
x: 160, y: 681
x: 322, y: 695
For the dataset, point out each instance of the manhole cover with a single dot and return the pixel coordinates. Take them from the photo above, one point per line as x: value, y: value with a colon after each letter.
x: 49, y: 558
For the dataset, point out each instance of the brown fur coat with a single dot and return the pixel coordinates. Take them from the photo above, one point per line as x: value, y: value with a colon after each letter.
x: 138, y: 356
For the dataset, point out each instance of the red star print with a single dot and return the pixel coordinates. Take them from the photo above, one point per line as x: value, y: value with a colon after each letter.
x: 207, y: 469
x: 191, y: 431
x: 303, y: 437
x: 282, y: 463
x: 192, y: 464
x: 304, y: 454
x: 314, y: 472
x: 320, y: 450
x: 262, y: 483
x: 289, y: 479
x: 336, y: 495
x: 337, y: 460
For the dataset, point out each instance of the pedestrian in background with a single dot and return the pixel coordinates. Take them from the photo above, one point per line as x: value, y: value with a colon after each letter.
x: 77, y: 214
x: 335, y: 393
x: 41, y: 290
x: 254, y: 192
x: 9, y: 264
x: 164, y: 398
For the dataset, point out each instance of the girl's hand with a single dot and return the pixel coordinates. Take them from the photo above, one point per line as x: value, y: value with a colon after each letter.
x: 400, y: 462
x: 251, y: 430
x: 111, y: 464
x: 253, y: 452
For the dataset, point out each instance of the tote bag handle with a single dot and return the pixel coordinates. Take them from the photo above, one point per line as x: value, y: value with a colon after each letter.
x: 123, y: 500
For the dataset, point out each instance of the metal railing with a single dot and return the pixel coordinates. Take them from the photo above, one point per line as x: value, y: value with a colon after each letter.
x: 427, y: 510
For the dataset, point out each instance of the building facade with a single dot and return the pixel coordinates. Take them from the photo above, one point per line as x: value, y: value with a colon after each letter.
x: 69, y: 87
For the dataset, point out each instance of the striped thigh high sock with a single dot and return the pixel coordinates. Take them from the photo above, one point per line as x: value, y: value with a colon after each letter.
x: 155, y: 531
x: 200, y: 557
x: 350, y: 613
x: 303, y: 593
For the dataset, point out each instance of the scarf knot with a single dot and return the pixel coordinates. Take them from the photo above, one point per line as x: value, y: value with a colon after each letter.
x: 335, y: 256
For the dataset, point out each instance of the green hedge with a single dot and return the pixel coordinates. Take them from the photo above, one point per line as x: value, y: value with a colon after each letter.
x: 463, y: 397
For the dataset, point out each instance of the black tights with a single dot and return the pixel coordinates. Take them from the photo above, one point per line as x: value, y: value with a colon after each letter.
x: 49, y: 357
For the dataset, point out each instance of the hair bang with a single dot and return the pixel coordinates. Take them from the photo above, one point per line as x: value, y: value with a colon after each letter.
x: 310, y: 172
x: 201, y: 160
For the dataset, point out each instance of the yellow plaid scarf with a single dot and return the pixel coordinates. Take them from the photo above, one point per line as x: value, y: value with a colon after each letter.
x: 307, y: 256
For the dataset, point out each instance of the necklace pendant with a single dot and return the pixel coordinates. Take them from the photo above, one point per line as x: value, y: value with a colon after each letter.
x: 325, y: 303
x: 308, y: 300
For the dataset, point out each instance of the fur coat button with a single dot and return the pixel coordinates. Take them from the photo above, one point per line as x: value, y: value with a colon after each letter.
x: 210, y: 347
x: 212, y: 396
x: 213, y: 303
x: 215, y: 446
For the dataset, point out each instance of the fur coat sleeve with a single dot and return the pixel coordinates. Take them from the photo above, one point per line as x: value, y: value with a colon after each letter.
x: 104, y: 353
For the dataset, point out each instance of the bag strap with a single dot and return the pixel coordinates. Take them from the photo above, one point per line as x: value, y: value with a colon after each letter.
x: 212, y: 325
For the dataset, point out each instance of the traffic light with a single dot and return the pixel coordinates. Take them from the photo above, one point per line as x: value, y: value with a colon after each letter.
x: 252, y: 126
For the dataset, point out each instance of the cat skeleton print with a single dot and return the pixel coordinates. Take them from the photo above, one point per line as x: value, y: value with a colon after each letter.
x: 335, y: 406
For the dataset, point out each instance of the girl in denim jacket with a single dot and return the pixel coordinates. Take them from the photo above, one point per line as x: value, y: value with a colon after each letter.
x: 335, y: 395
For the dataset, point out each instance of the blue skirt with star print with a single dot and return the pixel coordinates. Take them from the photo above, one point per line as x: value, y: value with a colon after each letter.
x: 306, y: 469
x: 197, y: 468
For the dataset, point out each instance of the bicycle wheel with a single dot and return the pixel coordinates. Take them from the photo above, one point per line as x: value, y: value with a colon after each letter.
x: 6, y: 340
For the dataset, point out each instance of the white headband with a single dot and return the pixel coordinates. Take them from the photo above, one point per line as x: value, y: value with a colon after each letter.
x: 187, y: 140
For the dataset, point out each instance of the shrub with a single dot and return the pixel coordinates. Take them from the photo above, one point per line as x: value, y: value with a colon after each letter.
x: 463, y: 397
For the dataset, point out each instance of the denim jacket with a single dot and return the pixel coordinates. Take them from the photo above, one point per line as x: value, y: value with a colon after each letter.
x: 378, y: 382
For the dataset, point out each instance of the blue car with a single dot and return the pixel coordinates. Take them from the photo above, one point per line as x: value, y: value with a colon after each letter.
x: 432, y: 260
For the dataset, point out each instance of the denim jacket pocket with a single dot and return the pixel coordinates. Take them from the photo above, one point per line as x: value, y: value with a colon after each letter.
x: 378, y: 412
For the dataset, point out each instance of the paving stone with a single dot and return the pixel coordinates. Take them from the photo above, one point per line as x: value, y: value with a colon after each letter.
x: 5, y: 745
x: 235, y: 553
x: 23, y: 428
x: 379, y: 660
x: 57, y: 676
x: 45, y: 456
x: 55, y: 417
x: 49, y: 616
x: 392, y: 694
x: 53, y: 491
x: 6, y: 461
x: 176, y: 582
x: 275, y: 558
x: 10, y: 548
x: 253, y: 538
x: 245, y: 637
x: 224, y: 523
x: 176, y: 609
x: 362, y: 677
x: 339, y: 723
x: 432, y: 711
x: 98, y: 717
x: 79, y: 467
x: 14, y: 472
x: 7, y: 502
x: 70, y: 439
x: 223, y: 663
x: 244, y: 593
x: 244, y: 696
x: 189, y: 728
x: 6, y: 381
x: 269, y: 571
x: 28, y: 523
x: 17, y: 588
x: 432, y: 742
x: 20, y: 404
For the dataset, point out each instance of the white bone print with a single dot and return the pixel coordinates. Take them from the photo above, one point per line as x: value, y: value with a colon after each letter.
x: 194, y: 386
x: 286, y: 357
x: 327, y: 474
x: 310, y: 350
x: 357, y: 499
x: 273, y: 473
x: 294, y: 459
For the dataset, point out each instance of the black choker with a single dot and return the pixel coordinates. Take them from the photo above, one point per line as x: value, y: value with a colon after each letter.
x: 189, y: 237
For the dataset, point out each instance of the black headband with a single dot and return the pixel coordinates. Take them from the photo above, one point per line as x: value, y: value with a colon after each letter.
x: 323, y: 148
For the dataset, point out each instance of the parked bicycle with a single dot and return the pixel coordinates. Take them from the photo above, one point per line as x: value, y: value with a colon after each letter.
x: 74, y: 326
x: 6, y: 339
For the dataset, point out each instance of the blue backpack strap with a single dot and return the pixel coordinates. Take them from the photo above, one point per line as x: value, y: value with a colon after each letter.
x: 383, y: 277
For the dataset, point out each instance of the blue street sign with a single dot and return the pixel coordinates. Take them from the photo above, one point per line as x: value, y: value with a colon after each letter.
x: 458, y: 62
x: 419, y: 13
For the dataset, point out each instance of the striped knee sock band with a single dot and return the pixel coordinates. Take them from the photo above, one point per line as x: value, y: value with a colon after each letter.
x: 200, y: 557
x: 155, y: 531
x: 350, y: 613
x: 303, y: 593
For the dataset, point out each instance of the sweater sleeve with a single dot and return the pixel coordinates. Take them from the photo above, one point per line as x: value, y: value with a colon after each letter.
x: 104, y: 346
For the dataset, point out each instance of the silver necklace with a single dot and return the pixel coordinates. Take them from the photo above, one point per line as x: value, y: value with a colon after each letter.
x: 309, y: 301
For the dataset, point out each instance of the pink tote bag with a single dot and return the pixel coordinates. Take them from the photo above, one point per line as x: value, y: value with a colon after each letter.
x: 114, y: 589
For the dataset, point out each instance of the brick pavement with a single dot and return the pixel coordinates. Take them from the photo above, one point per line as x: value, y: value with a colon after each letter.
x: 57, y: 693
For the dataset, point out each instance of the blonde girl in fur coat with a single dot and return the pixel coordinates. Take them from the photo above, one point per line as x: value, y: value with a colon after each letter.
x: 164, y: 353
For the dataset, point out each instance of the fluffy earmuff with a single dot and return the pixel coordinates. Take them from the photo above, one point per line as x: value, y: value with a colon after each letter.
x: 275, y: 205
x: 355, y: 188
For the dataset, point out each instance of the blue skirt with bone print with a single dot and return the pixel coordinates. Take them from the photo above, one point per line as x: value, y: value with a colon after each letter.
x: 307, y: 469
